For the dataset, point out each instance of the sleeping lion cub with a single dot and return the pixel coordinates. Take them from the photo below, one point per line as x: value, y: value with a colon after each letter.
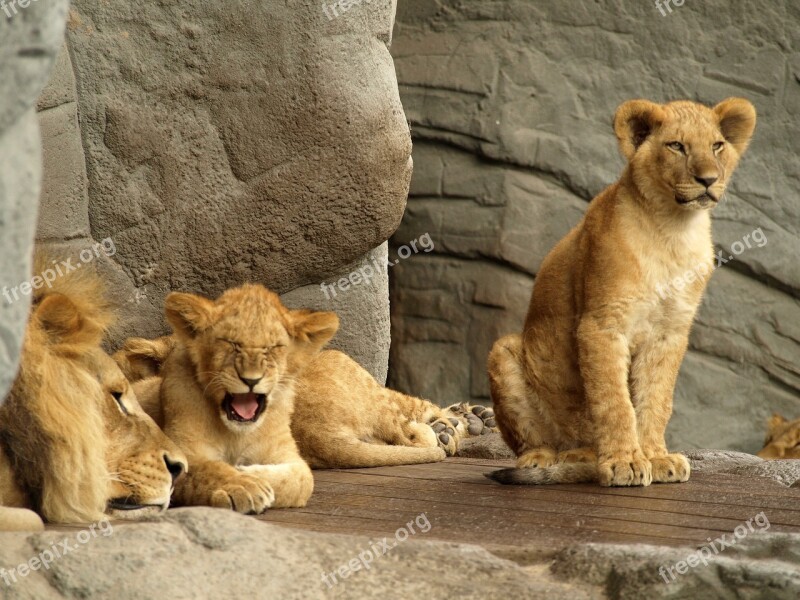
x: 226, y: 385
x: 585, y: 393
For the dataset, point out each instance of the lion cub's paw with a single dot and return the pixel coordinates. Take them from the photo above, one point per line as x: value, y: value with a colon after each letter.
x: 537, y: 458
x: 577, y: 455
x: 479, y: 419
x: 625, y: 470
x: 246, y: 494
x: 671, y: 468
x: 445, y: 435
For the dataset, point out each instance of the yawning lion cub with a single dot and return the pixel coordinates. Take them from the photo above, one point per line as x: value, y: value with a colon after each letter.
x: 585, y: 392
x: 226, y: 397
x: 225, y: 388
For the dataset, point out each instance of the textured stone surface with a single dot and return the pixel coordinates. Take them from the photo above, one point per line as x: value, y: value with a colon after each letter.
x: 29, y: 41
x: 714, y: 461
x: 201, y: 548
x: 237, y: 141
x: 785, y: 472
x: 219, y: 554
x: 510, y: 104
x: 216, y: 145
x: 490, y: 446
x: 761, y: 565
x: 363, y: 311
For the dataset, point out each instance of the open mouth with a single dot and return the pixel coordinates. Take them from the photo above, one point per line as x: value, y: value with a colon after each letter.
x: 129, y: 504
x: 244, y: 408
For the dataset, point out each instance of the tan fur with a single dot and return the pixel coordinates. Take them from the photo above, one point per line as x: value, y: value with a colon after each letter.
x: 245, y: 341
x: 591, y: 378
x: 783, y: 439
x: 342, y: 417
x: 345, y: 419
x: 69, y: 451
x: 140, y: 359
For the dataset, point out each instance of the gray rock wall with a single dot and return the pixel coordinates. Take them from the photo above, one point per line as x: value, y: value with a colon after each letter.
x: 510, y: 104
x: 29, y: 41
x: 216, y: 143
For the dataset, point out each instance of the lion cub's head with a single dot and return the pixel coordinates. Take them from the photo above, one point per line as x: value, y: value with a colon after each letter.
x: 683, y: 154
x: 246, y: 346
x: 783, y: 438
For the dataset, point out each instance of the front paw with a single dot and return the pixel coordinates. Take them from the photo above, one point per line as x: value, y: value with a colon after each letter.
x: 625, y: 469
x: 671, y: 468
x: 246, y: 494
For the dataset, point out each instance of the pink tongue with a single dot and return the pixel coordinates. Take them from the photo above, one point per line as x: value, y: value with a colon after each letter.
x: 245, y: 405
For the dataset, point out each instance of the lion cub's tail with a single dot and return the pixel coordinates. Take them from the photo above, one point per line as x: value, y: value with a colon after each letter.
x: 560, y: 473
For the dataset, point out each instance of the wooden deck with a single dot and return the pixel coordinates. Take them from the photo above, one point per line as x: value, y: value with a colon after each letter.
x: 531, y: 521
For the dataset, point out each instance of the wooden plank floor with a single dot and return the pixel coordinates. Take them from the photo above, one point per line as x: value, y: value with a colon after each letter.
x: 463, y: 506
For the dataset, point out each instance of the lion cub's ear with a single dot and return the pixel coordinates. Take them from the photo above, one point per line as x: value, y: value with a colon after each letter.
x: 634, y: 121
x: 737, y: 121
x: 188, y: 314
x: 775, y: 421
x: 314, y: 328
x: 62, y: 322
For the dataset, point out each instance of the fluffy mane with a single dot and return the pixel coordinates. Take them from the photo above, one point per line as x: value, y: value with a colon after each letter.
x: 51, y: 430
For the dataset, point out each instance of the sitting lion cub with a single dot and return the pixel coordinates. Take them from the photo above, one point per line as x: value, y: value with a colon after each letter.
x: 585, y: 393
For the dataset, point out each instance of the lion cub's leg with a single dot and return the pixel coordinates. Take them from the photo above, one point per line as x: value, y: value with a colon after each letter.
x: 522, y: 418
x: 417, y: 422
x: 424, y: 427
x: 292, y: 482
x: 440, y: 432
x: 654, y: 371
x: 218, y: 484
x: 604, y: 358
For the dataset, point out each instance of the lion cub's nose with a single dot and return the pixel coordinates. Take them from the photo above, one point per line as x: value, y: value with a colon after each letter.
x: 175, y: 468
x: 706, y: 181
x: 251, y: 383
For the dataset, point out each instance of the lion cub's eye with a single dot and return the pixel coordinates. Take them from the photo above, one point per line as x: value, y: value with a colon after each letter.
x: 677, y: 146
x: 233, y: 344
x: 718, y: 146
x: 118, y: 397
